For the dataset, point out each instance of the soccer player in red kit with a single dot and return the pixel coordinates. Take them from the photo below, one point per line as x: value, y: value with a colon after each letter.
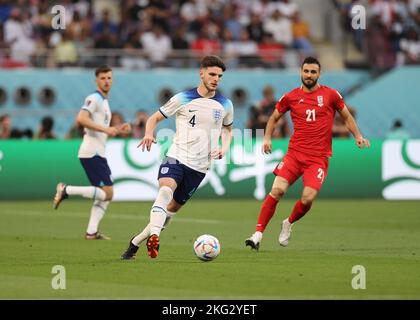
x: 312, y: 107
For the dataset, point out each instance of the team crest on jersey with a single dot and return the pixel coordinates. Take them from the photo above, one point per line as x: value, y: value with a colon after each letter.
x: 280, y: 165
x: 320, y: 101
x: 164, y: 170
x: 217, y: 115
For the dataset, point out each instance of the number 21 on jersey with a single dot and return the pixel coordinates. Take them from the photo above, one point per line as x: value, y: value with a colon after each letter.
x: 310, y: 115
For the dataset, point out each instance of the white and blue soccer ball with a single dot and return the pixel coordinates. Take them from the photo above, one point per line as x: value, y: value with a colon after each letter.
x: 206, y: 247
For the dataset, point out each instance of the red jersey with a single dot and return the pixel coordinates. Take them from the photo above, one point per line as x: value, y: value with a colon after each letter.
x: 312, y: 116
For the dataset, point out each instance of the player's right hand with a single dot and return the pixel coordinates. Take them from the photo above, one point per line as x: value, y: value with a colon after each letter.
x: 111, y: 131
x: 146, y: 143
x: 267, y: 146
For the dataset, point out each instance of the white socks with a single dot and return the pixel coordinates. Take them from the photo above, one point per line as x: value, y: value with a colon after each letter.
x: 87, y: 192
x: 257, y: 237
x: 146, y: 231
x: 158, y: 212
x: 96, y: 214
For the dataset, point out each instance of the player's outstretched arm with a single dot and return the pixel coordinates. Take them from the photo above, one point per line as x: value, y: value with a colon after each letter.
x: 271, y: 124
x: 351, y: 124
x: 151, y: 124
x: 83, y: 118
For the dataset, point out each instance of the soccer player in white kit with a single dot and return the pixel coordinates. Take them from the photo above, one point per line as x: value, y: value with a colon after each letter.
x: 95, y: 117
x: 203, y: 116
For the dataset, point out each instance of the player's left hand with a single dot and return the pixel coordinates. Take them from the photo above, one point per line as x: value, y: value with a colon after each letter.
x: 217, y: 154
x: 362, y: 142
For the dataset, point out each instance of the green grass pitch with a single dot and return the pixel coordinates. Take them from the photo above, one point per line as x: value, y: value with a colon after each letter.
x: 336, y: 235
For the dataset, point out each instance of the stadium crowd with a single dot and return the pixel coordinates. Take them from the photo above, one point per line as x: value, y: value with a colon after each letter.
x: 245, y: 33
x: 392, y: 35
x: 175, y: 33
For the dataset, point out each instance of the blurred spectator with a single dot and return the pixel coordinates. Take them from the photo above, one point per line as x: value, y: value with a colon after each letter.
x: 76, y: 131
x: 301, y: 35
x: 79, y: 26
x: 339, y: 129
x: 179, y: 40
x: 205, y: 43
x: 244, y: 51
x: 117, y: 120
x: 255, y: 28
x: 17, y: 34
x: 410, y: 49
x: 260, y: 114
x: 385, y: 10
x: 46, y: 129
x: 157, y: 46
x: 65, y: 53
x: 287, y: 8
x: 133, y: 10
x: 160, y: 13
x: 105, y: 25
x: 5, y: 126
x: 231, y: 20
x: 132, y: 58
x: 280, y: 27
x: 194, y: 12
x: 270, y: 52
x: 105, y: 32
x: 380, y: 54
x: 263, y: 8
x: 397, y: 131
x: 139, y: 124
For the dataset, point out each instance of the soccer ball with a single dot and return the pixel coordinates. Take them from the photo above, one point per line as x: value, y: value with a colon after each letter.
x: 206, y: 247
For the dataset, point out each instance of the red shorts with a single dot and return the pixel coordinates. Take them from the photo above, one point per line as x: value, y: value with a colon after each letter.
x: 295, y: 164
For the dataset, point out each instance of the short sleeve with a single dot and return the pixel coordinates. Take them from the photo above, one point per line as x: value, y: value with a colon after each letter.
x: 338, y: 100
x: 228, y: 119
x: 282, y: 105
x: 173, y: 105
x: 90, y: 104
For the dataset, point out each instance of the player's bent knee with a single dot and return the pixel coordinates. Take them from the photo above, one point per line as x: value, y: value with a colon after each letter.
x: 306, y: 201
x: 308, y: 198
x: 277, y: 193
x: 109, y: 193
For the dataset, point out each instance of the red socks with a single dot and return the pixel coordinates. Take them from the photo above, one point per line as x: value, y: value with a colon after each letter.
x: 299, y: 211
x: 267, y: 211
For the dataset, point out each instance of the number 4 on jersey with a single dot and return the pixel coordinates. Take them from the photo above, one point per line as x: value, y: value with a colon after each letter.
x: 192, y: 121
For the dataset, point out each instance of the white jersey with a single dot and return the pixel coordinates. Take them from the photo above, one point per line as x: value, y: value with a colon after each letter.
x: 94, y: 141
x: 199, y: 123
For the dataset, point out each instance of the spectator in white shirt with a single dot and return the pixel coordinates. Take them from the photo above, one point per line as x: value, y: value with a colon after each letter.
x: 157, y: 46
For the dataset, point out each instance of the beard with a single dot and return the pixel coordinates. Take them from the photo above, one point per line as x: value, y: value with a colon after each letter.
x: 209, y: 87
x: 310, y: 85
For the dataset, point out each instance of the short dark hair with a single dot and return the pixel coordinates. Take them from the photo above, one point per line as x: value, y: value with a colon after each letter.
x: 102, y: 69
x: 311, y: 60
x: 212, y: 61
